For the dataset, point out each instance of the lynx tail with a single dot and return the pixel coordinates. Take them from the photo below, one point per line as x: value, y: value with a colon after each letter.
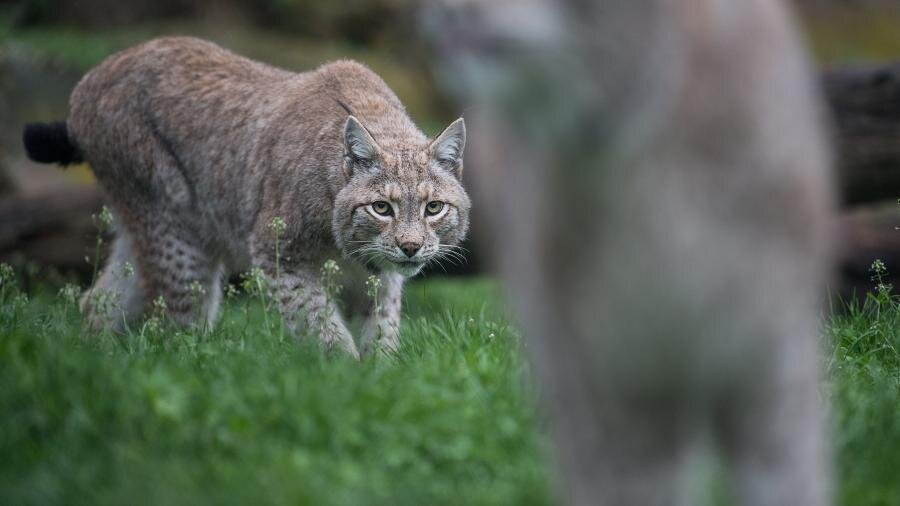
x: 50, y: 143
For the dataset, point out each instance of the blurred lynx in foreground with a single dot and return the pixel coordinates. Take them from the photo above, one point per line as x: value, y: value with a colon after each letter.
x: 660, y: 197
x: 214, y: 164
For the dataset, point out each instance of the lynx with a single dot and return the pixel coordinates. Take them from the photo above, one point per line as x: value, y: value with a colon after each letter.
x: 661, y: 194
x: 199, y: 151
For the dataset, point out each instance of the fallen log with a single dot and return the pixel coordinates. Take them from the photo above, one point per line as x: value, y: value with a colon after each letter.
x: 865, y: 106
x: 50, y: 229
x: 866, y: 233
x: 7, y: 186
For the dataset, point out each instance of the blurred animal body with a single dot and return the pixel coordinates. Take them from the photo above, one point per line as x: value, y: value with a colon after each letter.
x: 213, y: 164
x: 660, y: 194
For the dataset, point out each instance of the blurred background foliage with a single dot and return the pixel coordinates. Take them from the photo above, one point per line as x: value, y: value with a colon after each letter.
x: 850, y: 31
x: 45, y: 45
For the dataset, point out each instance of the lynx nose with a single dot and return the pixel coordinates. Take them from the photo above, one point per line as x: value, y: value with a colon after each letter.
x: 410, y: 248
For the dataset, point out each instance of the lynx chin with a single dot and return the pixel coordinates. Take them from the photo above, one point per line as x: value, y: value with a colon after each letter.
x: 214, y: 164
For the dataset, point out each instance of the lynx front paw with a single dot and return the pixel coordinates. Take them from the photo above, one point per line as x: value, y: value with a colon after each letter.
x: 335, y: 337
x: 380, y: 338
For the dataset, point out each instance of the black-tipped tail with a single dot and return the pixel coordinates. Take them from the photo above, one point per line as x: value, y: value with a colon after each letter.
x: 50, y: 143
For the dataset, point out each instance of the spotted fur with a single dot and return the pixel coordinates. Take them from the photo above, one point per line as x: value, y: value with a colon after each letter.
x: 198, y: 150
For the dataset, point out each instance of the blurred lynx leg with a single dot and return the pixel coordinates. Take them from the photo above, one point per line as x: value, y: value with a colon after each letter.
x: 659, y: 192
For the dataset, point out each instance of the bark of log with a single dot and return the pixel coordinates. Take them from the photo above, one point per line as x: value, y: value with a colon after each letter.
x: 7, y: 187
x: 52, y: 228
x: 867, y: 233
x: 865, y: 105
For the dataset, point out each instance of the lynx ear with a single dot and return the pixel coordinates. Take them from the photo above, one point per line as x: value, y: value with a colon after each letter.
x: 359, y: 143
x: 447, y: 148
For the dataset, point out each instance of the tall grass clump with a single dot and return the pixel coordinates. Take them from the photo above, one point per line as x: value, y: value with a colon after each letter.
x: 863, y: 384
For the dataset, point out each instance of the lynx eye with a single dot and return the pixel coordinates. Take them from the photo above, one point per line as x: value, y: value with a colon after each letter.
x: 433, y: 207
x: 381, y: 207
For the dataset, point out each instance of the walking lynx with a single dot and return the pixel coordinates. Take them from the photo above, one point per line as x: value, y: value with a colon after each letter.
x: 198, y: 150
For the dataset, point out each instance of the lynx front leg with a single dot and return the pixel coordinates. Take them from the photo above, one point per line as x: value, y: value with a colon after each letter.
x: 775, y: 432
x: 307, y: 308
x: 382, y: 327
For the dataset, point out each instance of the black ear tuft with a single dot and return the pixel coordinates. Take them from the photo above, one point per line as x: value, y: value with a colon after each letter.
x: 50, y: 143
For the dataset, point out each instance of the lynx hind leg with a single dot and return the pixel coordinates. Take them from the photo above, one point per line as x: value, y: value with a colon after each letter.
x: 188, y: 279
x: 115, y: 299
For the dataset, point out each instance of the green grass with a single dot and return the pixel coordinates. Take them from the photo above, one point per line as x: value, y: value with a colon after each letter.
x: 863, y: 384
x: 239, y: 415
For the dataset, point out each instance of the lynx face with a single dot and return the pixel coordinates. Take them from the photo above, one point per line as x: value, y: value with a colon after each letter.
x: 404, y: 205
